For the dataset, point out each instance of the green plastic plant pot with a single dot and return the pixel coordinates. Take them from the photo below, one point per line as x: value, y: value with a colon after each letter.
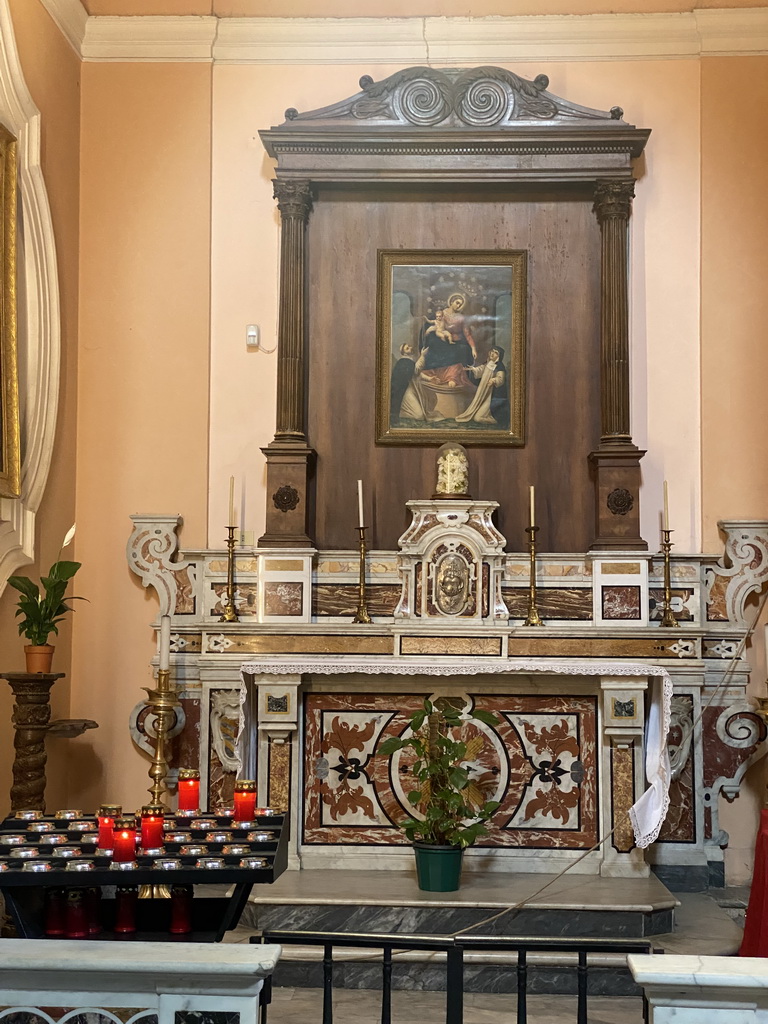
x: 438, y: 868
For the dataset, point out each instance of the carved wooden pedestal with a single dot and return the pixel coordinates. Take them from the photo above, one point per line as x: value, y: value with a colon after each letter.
x: 31, y: 715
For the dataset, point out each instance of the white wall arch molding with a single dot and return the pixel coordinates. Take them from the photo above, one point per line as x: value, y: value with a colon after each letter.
x: 39, y: 333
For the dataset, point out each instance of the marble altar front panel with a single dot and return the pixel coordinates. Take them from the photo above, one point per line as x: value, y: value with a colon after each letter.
x: 540, y: 761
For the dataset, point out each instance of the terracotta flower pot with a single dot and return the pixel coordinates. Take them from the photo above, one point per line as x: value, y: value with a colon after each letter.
x: 39, y: 657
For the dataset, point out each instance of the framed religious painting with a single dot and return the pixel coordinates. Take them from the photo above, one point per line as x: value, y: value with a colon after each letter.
x: 10, y: 446
x: 451, y: 346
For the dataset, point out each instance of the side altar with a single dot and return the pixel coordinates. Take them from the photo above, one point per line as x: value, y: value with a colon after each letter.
x: 315, y: 693
x: 458, y: 242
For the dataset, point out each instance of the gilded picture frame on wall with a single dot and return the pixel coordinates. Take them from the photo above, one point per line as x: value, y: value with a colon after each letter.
x: 10, y: 431
x: 450, y: 346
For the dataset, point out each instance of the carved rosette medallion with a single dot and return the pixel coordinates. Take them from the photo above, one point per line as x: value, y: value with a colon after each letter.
x: 285, y: 498
x: 620, y: 501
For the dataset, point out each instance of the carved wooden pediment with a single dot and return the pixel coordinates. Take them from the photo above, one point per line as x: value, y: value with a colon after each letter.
x: 455, y: 124
x: 484, y: 97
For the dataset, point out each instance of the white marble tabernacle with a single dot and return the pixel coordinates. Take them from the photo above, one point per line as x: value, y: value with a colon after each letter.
x: 146, y: 982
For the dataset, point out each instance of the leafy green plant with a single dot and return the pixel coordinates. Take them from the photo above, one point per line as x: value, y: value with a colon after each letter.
x: 453, y: 803
x: 43, y: 611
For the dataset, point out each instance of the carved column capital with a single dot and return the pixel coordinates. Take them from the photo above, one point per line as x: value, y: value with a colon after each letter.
x: 294, y: 198
x: 613, y: 200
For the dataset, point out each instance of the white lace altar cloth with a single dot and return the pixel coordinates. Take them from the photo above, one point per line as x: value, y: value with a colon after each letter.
x: 647, y: 814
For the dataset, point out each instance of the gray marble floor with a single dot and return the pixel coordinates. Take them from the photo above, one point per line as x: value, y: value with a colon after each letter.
x: 304, y: 1006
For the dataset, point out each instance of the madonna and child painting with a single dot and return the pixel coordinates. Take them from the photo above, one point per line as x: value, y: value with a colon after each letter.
x: 451, y: 346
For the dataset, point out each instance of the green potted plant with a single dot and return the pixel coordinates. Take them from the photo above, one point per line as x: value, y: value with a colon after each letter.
x: 42, y: 612
x: 452, y: 805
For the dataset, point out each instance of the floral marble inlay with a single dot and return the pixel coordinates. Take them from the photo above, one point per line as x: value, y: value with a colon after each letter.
x: 539, y: 761
x: 683, y: 602
x: 245, y: 598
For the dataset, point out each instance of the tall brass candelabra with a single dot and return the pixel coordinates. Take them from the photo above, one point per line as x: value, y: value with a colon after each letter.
x: 361, y: 615
x: 667, y: 615
x: 533, y: 619
x: 230, y: 612
x: 161, y: 700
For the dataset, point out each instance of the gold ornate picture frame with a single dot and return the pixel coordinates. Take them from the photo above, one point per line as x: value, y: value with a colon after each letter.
x: 10, y: 436
x: 450, y: 346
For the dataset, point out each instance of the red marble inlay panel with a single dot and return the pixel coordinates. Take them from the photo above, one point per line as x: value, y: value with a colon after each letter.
x: 621, y: 602
x: 539, y: 761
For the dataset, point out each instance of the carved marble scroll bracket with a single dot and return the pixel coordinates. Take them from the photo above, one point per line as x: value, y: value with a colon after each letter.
x: 151, y: 548
x: 743, y: 569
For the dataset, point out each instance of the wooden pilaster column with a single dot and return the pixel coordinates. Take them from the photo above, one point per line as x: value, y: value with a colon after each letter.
x: 289, y: 456
x: 31, y: 716
x: 616, y: 462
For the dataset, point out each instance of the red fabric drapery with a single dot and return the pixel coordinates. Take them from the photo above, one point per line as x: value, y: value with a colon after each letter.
x: 755, y: 941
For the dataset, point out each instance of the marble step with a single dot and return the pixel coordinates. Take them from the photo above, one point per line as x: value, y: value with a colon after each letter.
x: 494, y: 904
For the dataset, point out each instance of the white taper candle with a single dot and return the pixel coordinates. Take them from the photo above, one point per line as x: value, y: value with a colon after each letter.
x: 164, y: 654
x: 361, y: 518
x: 666, y: 506
x: 533, y: 507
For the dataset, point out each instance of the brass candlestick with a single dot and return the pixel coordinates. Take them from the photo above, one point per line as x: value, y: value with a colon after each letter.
x: 667, y: 616
x: 533, y: 619
x: 361, y: 615
x: 161, y: 700
x: 230, y: 612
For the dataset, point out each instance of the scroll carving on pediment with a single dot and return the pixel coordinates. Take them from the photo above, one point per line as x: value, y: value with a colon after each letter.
x: 743, y: 570
x: 151, y: 549
x: 484, y: 97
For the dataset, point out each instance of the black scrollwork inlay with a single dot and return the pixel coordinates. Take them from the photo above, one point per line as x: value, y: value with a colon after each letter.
x: 285, y: 498
x: 620, y: 501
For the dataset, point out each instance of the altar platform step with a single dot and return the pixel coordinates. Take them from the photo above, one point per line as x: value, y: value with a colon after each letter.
x: 387, y: 902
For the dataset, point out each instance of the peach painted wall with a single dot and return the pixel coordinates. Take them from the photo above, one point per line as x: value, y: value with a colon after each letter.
x: 143, y: 410
x: 52, y: 74
x: 734, y: 316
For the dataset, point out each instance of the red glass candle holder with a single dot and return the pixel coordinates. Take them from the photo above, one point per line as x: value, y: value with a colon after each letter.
x: 181, y: 910
x: 93, y: 909
x: 189, y: 789
x: 245, y: 799
x: 152, y: 820
x: 55, y: 912
x: 124, y: 848
x: 107, y: 815
x: 76, y: 919
x: 126, y: 897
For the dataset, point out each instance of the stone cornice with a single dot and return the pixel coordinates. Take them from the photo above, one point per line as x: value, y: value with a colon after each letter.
x: 443, y: 41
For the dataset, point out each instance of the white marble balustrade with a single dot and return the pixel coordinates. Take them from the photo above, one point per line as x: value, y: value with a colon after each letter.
x: 703, y: 989
x: 140, y: 982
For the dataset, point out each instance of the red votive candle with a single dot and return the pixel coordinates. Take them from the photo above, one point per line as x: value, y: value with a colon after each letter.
x: 245, y: 799
x: 107, y: 814
x: 124, y: 848
x: 189, y: 789
x: 152, y: 817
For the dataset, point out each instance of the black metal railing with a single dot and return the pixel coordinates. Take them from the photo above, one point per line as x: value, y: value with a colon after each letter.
x: 454, y: 949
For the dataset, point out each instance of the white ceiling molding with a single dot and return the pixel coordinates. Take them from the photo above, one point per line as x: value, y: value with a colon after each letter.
x: 71, y: 17
x: 39, y: 318
x: 425, y: 40
x: 149, y: 39
x: 725, y: 33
